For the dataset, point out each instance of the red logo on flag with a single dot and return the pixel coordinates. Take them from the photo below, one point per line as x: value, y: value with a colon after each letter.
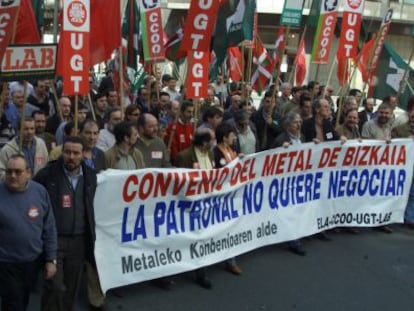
x: 77, y: 13
x: 354, y: 4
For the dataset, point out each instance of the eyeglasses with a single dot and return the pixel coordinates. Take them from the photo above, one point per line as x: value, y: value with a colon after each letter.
x: 136, y: 114
x: 11, y: 171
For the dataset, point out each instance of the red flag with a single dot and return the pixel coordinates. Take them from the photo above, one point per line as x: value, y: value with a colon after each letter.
x: 350, y: 28
x: 363, y: 57
x: 74, y: 44
x: 342, y: 72
x: 197, y: 78
x: 26, y: 30
x: 279, y: 48
x: 234, y: 58
x: 8, y: 14
x: 105, y: 29
x: 201, y: 19
x: 300, y: 64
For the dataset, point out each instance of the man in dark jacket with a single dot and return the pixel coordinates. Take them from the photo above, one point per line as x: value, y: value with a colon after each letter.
x: 267, y: 122
x: 71, y: 186
x: 320, y: 127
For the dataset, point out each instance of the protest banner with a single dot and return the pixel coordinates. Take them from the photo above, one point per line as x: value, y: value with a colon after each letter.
x: 156, y: 222
x: 26, y: 62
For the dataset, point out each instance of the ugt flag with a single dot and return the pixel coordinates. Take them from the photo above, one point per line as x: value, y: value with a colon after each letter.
x: 390, y: 72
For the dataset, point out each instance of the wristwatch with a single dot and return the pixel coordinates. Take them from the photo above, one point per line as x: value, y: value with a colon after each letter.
x: 54, y: 261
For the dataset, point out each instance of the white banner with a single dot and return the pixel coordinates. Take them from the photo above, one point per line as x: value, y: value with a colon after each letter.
x: 156, y: 222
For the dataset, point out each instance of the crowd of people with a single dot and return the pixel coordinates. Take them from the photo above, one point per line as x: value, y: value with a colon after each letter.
x: 49, y: 159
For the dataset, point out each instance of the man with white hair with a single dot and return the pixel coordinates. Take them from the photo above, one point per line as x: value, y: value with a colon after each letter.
x: 54, y: 121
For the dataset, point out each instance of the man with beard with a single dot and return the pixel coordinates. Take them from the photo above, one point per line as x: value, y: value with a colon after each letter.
x: 368, y: 112
x: 380, y: 126
x: 71, y: 185
x: 152, y: 147
x: 106, y: 137
x: 155, y: 155
x: 349, y: 128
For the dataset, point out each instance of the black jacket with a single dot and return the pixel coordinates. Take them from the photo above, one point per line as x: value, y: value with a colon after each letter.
x: 52, y: 176
x: 309, y: 130
x: 265, y: 133
x: 284, y: 138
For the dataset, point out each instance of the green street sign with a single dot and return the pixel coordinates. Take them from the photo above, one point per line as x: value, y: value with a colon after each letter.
x: 292, y: 13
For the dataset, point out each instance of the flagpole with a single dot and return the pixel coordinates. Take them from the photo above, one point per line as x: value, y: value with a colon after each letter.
x: 403, y: 81
x: 3, y: 97
x: 331, y: 71
x: 315, y: 79
x: 244, y: 70
x: 54, y: 92
x: 91, y: 107
x: 276, y: 88
x: 76, y: 120
x: 22, y: 116
x: 341, y: 96
x: 13, y: 38
x: 148, y: 87
x: 249, y: 71
x: 55, y: 20
x: 121, y: 81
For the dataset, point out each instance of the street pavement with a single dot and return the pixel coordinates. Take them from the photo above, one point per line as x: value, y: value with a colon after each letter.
x: 362, y: 272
